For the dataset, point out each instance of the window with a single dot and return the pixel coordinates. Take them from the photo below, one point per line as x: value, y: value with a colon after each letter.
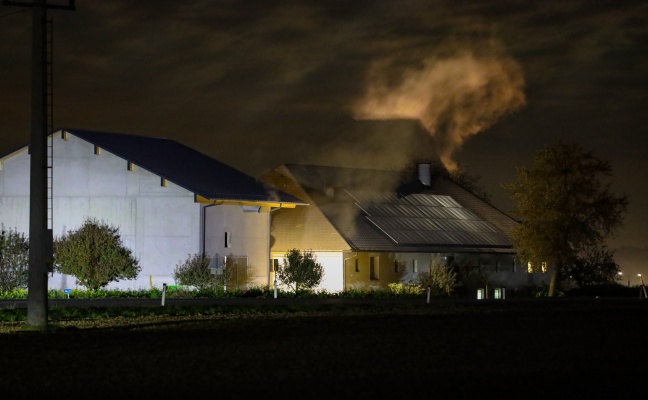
x: 532, y: 269
x: 414, y: 265
x: 275, y: 265
x: 396, y: 266
x: 163, y: 182
x: 357, y: 266
x: 97, y: 150
x: 129, y: 166
x: 228, y: 239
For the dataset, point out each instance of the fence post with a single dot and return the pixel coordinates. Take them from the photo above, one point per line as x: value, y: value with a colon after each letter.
x: 164, y: 287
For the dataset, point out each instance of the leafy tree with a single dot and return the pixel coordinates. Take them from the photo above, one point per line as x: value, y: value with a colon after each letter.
x: 194, y: 271
x: 14, y: 260
x: 439, y: 276
x: 566, y: 209
x: 95, y: 255
x: 301, y: 269
x: 596, y: 268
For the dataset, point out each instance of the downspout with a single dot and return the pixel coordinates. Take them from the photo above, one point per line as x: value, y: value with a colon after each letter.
x: 270, y: 260
x: 344, y: 269
x: 204, y: 226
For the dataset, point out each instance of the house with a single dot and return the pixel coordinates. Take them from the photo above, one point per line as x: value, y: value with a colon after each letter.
x: 168, y: 201
x: 368, y: 229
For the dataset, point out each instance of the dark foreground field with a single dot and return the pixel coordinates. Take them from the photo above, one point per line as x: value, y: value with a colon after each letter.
x: 538, y: 349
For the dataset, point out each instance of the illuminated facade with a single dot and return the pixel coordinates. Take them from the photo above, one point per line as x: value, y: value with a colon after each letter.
x: 167, y: 200
x: 369, y: 229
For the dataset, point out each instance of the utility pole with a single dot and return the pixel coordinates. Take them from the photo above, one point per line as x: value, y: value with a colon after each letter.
x: 40, y: 235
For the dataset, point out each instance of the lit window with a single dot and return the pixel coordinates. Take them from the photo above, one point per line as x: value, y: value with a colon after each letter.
x: 163, y: 182
x: 544, y: 267
x: 530, y: 267
x: 97, y: 150
x: 129, y: 166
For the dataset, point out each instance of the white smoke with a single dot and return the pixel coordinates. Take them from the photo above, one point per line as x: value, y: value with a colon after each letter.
x: 454, y: 96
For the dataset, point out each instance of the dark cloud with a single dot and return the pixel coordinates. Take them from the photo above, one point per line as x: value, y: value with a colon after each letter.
x: 259, y: 83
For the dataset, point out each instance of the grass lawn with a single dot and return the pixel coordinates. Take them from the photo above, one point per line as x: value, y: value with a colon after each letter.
x: 536, y: 349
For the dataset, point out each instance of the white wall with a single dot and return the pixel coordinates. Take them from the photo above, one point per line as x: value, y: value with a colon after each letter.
x: 160, y: 224
x: 333, y: 265
x: 249, y: 232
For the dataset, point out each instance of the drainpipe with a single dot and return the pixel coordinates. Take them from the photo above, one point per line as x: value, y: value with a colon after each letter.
x: 344, y: 260
x: 270, y: 260
x: 204, y: 226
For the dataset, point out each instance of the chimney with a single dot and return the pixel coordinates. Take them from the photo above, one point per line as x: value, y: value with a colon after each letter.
x: 425, y: 174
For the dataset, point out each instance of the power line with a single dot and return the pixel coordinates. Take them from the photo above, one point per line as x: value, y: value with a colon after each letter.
x: 12, y: 13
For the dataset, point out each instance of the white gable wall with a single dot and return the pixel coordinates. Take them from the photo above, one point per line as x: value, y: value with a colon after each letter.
x: 160, y: 224
x: 249, y: 237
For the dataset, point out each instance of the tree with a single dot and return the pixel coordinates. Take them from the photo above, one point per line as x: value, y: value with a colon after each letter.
x: 195, y: 271
x: 301, y: 270
x: 566, y: 209
x: 439, y: 276
x: 14, y: 260
x: 596, y: 268
x: 95, y: 255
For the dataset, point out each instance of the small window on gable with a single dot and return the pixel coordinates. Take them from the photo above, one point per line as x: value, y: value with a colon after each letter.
x: 163, y: 182
x: 64, y: 135
x: 129, y: 166
x: 97, y: 149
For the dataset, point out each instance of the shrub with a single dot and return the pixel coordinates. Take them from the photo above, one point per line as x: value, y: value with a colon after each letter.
x: 301, y: 270
x: 194, y: 272
x: 14, y: 260
x: 94, y: 255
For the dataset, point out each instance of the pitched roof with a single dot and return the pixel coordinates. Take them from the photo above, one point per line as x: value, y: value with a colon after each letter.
x: 373, y: 211
x: 186, y: 167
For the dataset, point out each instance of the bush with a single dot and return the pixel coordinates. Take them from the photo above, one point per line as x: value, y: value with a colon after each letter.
x: 301, y: 270
x: 14, y: 260
x: 194, y: 272
x: 94, y: 255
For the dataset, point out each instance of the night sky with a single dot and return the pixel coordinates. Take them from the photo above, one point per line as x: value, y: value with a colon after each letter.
x: 480, y: 85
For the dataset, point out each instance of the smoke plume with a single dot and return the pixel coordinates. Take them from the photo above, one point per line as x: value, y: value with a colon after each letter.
x: 454, y: 95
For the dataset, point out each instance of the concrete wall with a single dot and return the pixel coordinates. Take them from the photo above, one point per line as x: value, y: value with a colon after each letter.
x: 249, y: 236
x: 160, y: 224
